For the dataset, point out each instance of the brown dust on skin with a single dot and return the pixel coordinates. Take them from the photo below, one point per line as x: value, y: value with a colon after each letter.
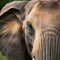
x: 12, y: 27
x: 11, y: 36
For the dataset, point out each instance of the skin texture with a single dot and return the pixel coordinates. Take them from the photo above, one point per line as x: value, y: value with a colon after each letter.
x: 30, y: 31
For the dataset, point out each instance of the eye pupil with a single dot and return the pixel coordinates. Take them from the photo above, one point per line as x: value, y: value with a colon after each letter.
x: 29, y: 26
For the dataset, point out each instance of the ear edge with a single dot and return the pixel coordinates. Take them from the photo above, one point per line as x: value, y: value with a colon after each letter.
x: 17, y: 5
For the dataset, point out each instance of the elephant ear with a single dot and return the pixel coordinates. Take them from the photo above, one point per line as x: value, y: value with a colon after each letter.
x: 11, y: 13
x: 11, y: 41
x: 14, y: 6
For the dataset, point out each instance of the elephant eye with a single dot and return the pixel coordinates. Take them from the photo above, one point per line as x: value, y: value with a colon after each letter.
x: 29, y: 26
x: 30, y: 34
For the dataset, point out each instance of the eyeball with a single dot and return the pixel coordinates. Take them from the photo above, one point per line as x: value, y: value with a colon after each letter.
x: 29, y: 26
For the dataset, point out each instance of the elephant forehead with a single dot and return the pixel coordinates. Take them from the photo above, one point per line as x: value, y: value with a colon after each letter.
x: 44, y: 16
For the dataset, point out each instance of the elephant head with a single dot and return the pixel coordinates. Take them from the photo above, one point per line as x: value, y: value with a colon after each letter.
x: 30, y: 30
x: 42, y: 30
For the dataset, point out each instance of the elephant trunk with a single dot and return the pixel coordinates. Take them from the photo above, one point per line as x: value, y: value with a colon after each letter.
x: 49, y: 45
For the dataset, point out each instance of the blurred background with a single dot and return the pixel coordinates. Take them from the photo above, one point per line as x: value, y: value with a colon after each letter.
x: 2, y: 3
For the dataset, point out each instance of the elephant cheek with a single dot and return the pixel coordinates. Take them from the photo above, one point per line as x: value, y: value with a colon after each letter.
x: 36, y: 46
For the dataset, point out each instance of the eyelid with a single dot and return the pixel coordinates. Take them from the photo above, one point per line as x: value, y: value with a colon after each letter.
x: 28, y: 23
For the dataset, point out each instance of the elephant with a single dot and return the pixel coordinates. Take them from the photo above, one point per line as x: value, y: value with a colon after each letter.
x: 42, y: 30
x: 30, y: 30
